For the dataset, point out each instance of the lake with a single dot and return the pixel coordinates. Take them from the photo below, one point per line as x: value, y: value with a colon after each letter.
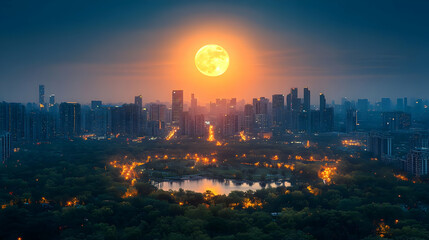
x: 216, y: 186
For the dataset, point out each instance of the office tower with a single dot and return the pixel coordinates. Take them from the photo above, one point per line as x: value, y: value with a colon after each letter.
x: 70, y: 119
x: 351, y: 120
x: 229, y: 125
x: 132, y: 120
x: 249, y: 118
x: 386, y: 104
x: 294, y: 99
x: 393, y: 121
x: 100, y: 121
x: 96, y: 104
x: 306, y: 106
x: 363, y: 105
x: 231, y: 106
x: 194, y: 105
x: 417, y: 162
x: 52, y: 100
x: 400, y: 104
x: 157, y: 112
x: 380, y: 145
x: 260, y: 107
x: 288, y: 102
x: 278, y: 109
x: 177, y: 106
x: 405, y: 104
x: 322, y: 104
x: 5, y: 146
x: 138, y: 100
x: 12, y: 120
x: 42, y: 94
x: 420, y: 139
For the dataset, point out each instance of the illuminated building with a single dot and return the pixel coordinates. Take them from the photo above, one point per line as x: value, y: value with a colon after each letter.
x: 177, y: 106
x: 5, y: 146
x: 42, y: 94
x: 249, y: 118
x: 70, y: 119
x: 394, y: 121
x: 138, y: 100
x: 260, y: 106
x: 380, y: 145
x: 96, y: 104
x: 52, y: 100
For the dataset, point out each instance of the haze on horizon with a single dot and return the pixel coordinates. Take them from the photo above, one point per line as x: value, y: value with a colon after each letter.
x: 83, y: 50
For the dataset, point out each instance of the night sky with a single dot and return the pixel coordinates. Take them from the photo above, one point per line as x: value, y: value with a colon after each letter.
x: 114, y: 50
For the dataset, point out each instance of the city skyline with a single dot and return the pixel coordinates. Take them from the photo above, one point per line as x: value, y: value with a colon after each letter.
x: 355, y: 50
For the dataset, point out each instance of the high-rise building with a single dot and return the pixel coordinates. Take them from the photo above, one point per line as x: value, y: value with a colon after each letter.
x: 12, y: 120
x: 157, y: 112
x: 306, y: 106
x: 393, y: 121
x: 322, y: 104
x: 249, y: 118
x: 294, y: 99
x: 194, y: 105
x: 400, y: 104
x: 380, y: 145
x: 260, y: 106
x: 5, y: 146
x: 386, y: 105
x: 52, y: 100
x: 177, y: 106
x: 138, y: 100
x: 96, y: 104
x: 70, y: 119
x: 417, y: 161
x: 278, y: 109
x: 363, y: 105
x: 351, y: 120
x: 42, y: 94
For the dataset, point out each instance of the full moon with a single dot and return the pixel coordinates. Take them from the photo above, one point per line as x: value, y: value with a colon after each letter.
x: 212, y: 60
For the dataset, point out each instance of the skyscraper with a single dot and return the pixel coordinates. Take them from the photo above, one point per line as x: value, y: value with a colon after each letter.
x: 96, y: 104
x: 5, y: 146
x: 138, y: 100
x: 322, y: 102
x: 278, y: 109
x: 306, y: 100
x: 42, y: 94
x: 385, y: 104
x: 194, y: 105
x: 294, y: 99
x: 70, y: 119
x: 177, y: 106
x: 52, y: 100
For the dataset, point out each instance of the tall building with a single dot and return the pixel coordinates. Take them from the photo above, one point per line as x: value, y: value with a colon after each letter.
x: 386, y: 105
x: 260, y: 107
x: 194, y: 105
x: 138, y: 100
x: 363, y: 105
x: 96, y: 104
x: 157, y: 112
x: 380, y: 145
x: 417, y: 161
x: 351, y: 120
x: 278, y: 109
x: 5, y: 146
x: 322, y: 104
x: 70, y: 119
x: 306, y: 106
x: 249, y: 118
x: 42, y: 94
x: 394, y: 121
x: 12, y: 120
x: 400, y: 104
x: 52, y: 100
x: 294, y: 99
x: 177, y: 106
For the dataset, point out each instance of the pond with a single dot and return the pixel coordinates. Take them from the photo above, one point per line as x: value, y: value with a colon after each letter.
x: 216, y: 186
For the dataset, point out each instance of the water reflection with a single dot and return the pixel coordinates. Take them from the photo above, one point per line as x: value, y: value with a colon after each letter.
x: 216, y: 186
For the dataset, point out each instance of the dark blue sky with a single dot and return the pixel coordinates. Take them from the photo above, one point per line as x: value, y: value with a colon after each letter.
x: 111, y: 50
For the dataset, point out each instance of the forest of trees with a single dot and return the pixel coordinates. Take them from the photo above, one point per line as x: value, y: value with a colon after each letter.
x: 69, y: 191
